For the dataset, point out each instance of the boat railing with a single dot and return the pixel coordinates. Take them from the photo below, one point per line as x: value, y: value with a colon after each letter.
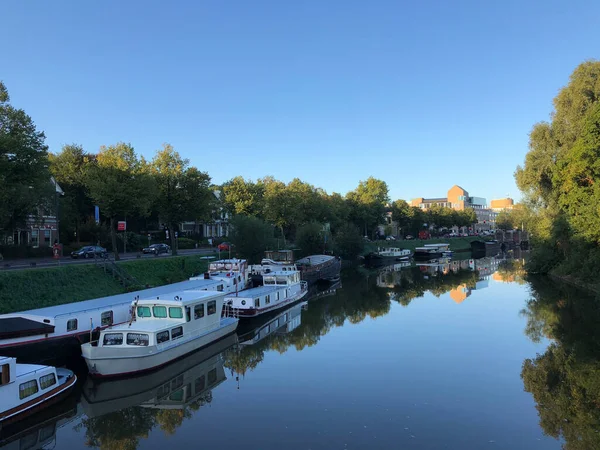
x: 304, y: 285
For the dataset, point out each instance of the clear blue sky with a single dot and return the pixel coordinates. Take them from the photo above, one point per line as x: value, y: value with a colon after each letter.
x: 423, y: 94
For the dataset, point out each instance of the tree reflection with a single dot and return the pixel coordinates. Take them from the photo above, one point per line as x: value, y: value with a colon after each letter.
x: 565, y: 379
x: 119, y: 430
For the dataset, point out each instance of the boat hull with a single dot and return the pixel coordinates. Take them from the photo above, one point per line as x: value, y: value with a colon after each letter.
x: 146, y: 359
x: 425, y: 256
x: 251, y: 312
x: 328, y: 270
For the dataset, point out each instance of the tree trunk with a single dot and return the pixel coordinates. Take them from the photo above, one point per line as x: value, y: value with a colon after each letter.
x: 173, y: 240
x: 113, y: 237
x: 282, y: 235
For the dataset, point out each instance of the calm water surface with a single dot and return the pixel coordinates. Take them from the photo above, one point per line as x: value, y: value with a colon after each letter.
x: 407, y: 358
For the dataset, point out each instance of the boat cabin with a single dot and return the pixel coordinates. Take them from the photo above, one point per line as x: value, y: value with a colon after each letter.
x: 228, y: 265
x: 158, y: 321
x: 280, y: 256
x: 438, y: 247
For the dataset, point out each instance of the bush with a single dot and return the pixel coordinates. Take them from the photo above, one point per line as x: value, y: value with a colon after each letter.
x: 185, y: 243
x: 251, y: 237
x: 348, y: 242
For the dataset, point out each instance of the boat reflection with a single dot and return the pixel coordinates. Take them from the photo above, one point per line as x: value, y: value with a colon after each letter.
x: 175, y: 386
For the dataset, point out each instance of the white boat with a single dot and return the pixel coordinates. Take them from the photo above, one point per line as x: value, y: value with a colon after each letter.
x: 431, y: 251
x: 386, y: 255
x: 279, y: 289
x: 52, y: 329
x: 312, y: 268
x: 161, y: 330
x: 27, y: 388
x: 284, y: 322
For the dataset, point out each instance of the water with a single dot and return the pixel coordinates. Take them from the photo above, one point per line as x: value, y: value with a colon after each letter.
x: 395, y: 359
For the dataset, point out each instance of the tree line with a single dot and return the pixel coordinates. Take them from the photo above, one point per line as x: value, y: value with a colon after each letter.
x: 167, y: 190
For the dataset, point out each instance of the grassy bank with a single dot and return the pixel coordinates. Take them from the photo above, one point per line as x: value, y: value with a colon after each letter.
x: 27, y: 289
x: 456, y: 244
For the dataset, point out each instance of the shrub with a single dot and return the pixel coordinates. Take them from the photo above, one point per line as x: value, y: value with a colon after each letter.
x: 348, y: 242
x: 185, y: 243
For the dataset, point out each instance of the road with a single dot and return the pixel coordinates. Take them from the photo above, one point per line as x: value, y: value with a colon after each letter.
x: 37, y: 263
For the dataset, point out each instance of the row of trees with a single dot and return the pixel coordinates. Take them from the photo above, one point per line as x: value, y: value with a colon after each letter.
x: 560, y: 179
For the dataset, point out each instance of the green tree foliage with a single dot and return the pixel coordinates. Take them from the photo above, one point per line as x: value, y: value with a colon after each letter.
x: 312, y: 239
x: 68, y: 168
x: 348, y: 242
x: 243, y: 197
x: 118, y: 181
x: 251, y: 236
x: 24, y: 175
x: 368, y: 204
x: 504, y: 221
x: 182, y: 192
x: 400, y: 215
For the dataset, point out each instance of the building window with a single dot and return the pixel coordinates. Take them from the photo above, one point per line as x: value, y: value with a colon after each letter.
x: 175, y: 313
x: 72, y: 325
x: 35, y: 238
x: 176, y: 332
x: 144, y: 311
x: 138, y: 339
x: 163, y: 336
x: 47, y: 237
x: 106, y: 318
x: 267, y: 299
x: 113, y: 339
x: 27, y: 389
x: 257, y: 302
x: 199, y: 311
x: 211, y: 307
x: 47, y: 380
x: 159, y: 311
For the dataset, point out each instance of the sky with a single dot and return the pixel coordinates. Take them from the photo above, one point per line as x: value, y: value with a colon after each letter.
x: 422, y: 95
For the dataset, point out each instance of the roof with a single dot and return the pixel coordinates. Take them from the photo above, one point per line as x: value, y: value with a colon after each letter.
x: 11, y: 327
x: 103, y: 302
x: 314, y: 259
x: 23, y: 369
x: 185, y: 297
x: 281, y: 273
x: 431, y: 200
x: 147, y: 325
x: 254, y: 292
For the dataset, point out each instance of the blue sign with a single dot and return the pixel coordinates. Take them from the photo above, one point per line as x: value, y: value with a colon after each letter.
x: 97, y: 214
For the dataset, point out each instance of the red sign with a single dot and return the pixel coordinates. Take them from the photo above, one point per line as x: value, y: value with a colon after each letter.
x: 121, y: 225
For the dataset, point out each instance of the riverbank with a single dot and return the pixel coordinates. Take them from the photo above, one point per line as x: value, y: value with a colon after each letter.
x: 456, y: 244
x: 36, y: 288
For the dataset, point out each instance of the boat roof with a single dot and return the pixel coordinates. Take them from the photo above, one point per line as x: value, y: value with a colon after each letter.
x: 434, y: 245
x: 314, y: 259
x: 102, y: 302
x: 184, y: 297
x: 143, y: 325
x: 254, y: 292
x: 228, y: 261
x: 281, y: 273
x: 24, y: 369
x: 15, y: 326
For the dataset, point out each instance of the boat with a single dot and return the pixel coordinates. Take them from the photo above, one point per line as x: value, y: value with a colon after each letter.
x: 429, y: 251
x: 312, y: 268
x: 387, y: 255
x: 28, y: 388
x: 174, y: 385
x: 161, y: 330
x: 58, y: 329
x: 279, y: 289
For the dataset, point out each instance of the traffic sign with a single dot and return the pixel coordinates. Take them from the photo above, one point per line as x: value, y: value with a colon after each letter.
x: 121, y: 225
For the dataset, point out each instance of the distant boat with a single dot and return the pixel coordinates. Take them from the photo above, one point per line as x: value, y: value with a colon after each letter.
x: 429, y: 251
x: 485, y: 248
x: 27, y: 388
x: 388, y: 255
x: 54, y: 329
x: 162, y: 330
x: 312, y: 268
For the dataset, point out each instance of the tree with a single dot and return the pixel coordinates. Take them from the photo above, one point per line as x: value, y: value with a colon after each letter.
x: 368, y: 204
x: 68, y: 169
x: 24, y: 174
x: 401, y: 214
x: 336, y: 209
x: 250, y: 237
x: 243, y: 197
x: 182, y: 192
x: 311, y: 238
x: 348, y: 242
x: 120, y: 185
x: 504, y: 221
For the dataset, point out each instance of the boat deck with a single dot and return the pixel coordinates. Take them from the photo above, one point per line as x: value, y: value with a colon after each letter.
x: 314, y: 259
x: 257, y: 291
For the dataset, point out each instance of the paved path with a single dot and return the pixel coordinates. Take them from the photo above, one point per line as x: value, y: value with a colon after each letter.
x: 35, y: 263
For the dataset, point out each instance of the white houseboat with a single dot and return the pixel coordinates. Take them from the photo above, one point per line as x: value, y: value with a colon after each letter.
x: 27, y: 388
x: 161, y: 330
x: 431, y: 251
x: 53, y: 329
x: 312, y: 268
x: 279, y: 289
x: 284, y: 322
x: 388, y: 255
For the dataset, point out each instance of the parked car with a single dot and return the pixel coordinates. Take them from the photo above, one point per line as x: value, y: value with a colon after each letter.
x: 157, y: 249
x: 390, y: 238
x: 409, y: 237
x: 90, y: 251
x: 224, y: 246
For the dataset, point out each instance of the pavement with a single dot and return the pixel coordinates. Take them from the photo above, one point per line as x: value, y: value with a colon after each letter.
x: 37, y: 263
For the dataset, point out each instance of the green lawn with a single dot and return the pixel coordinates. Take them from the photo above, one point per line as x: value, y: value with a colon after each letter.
x: 456, y: 244
x: 21, y: 290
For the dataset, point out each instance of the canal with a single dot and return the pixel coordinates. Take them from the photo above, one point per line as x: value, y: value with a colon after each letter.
x: 432, y: 357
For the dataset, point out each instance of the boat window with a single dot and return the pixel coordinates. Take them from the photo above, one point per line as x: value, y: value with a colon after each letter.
x: 239, y: 278
x: 113, y: 339
x: 28, y: 441
x: 106, y: 318
x: 163, y: 336
x: 269, y: 280
x: 212, y: 376
x: 47, y: 432
x: 138, y: 339
x: 281, y: 280
x: 220, y: 288
x: 176, y: 332
x: 199, y: 311
x: 72, y: 325
x: 159, y: 311
x: 211, y: 307
x: 175, y: 313
x: 257, y: 302
x: 163, y: 391
x: 285, y: 294
x: 47, y: 380
x: 234, y: 281
x: 277, y: 295
x: 27, y: 389
x: 199, y: 384
x: 177, y: 396
x: 188, y: 313
x: 144, y: 311
x: 5, y: 374
x: 267, y: 299
x: 177, y: 382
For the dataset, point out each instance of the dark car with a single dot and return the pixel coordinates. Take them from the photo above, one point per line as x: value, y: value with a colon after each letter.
x: 90, y: 251
x: 224, y: 246
x: 157, y: 249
